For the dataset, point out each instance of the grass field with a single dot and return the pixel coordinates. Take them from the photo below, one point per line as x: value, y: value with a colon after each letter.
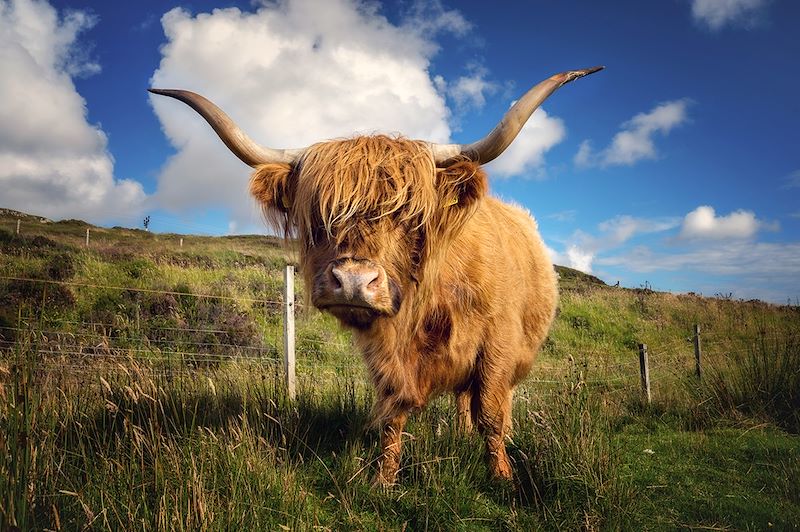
x: 127, y: 403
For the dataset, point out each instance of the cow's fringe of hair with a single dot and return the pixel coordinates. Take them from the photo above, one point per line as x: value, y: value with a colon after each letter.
x: 375, y: 177
x: 380, y: 176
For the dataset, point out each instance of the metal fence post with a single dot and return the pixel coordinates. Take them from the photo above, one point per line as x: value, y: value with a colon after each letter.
x: 644, y: 371
x: 288, y: 331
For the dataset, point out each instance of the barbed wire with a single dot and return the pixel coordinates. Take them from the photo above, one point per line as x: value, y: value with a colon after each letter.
x: 171, y: 356
x: 145, y: 290
x: 147, y: 340
x: 139, y: 355
x: 119, y: 326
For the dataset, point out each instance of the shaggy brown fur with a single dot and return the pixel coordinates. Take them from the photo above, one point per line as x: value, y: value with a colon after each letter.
x: 476, y: 286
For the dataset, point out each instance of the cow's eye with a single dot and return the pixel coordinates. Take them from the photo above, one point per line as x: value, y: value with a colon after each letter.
x: 417, y: 242
x: 319, y: 235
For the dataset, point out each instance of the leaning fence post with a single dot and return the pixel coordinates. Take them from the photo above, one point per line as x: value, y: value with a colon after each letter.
x: 697, y: 350
x: 644, y: 371
x: 87, y: 237
x: 288, y: 330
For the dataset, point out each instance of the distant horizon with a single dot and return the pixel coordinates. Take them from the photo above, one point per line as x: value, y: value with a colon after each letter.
x: 645, y: 286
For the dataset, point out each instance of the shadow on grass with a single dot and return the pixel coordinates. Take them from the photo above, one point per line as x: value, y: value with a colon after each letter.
x: 213, y: 431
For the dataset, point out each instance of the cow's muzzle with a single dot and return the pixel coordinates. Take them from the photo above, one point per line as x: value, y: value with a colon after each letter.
x: 355, y: 291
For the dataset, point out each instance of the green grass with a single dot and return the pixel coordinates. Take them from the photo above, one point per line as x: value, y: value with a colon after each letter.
x: 220, y: 447
x: 164, y: 410
x: 721, y: 477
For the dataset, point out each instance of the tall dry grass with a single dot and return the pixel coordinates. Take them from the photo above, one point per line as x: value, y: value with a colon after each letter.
x: 143, y: 446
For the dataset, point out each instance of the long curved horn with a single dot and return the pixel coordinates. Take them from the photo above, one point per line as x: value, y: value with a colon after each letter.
x: 493, y: 144
x: 234, y: 138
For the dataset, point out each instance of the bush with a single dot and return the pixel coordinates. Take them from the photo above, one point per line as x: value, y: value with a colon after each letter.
x: 15, y: 245
x: 106, y: 307
x: 136, y: 268
x: 35, y: 296
x: 61, y: 267
x: 155, y: 305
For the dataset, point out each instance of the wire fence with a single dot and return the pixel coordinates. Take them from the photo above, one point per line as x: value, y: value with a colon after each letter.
x: 98, y: 347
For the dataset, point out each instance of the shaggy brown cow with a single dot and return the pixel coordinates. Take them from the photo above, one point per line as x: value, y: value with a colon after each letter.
x: 445, y: 288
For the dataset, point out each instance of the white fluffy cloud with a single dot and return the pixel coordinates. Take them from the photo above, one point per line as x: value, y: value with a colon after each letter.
x: 620, y: 229
x: 701, y: 224
x: 290, y: 74
x: 584, y: 248
x: 728, y: 258
x: 718, y: 13
x: 721, y: 250
x: 574, y: 257
x: 704, y: 223
x: 52, y: 161
x: 471, y: 90
x: 635, y: 141
x: 580, y: 259
x: 298, y: 72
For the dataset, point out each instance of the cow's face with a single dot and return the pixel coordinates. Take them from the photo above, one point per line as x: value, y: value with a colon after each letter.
x: 364, y: 272
x: 372, y: 214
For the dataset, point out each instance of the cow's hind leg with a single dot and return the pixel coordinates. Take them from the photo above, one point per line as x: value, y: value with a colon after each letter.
x: 465, y: 411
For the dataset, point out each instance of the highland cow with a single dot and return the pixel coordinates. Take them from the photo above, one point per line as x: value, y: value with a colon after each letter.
x: 445, y: 288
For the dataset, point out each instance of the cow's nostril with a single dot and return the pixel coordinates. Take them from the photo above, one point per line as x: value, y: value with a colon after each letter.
x: 374, y: 283
x: 336, y: 278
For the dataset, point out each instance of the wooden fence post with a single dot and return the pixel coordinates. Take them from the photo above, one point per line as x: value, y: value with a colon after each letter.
x: 697, y: 350
x: 644, y: 371
x: 17, y: 225
x: 181, y: 242
x: 288, y: 331
x: 87, y: 237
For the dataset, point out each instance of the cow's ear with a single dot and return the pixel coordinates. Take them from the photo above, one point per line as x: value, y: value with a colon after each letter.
x: 459, y: 189
x: 461, y: 185
x: 271, y: 185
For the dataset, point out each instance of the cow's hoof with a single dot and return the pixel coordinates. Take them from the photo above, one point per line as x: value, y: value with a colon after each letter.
x: 382, y: 482
x: 501, y: 471
x: 503, y: 480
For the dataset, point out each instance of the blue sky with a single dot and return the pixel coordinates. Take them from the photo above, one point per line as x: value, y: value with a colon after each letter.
x: 677, y: 165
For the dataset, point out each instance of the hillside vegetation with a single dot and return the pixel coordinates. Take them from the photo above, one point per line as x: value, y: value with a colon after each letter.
x: 140, y: 388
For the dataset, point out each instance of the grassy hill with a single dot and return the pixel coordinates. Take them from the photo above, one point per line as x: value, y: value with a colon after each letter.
x: 139, y: 388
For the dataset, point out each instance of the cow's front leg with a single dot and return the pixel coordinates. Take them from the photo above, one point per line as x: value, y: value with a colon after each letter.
x: 494, y: 422
x: 391, y: 443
